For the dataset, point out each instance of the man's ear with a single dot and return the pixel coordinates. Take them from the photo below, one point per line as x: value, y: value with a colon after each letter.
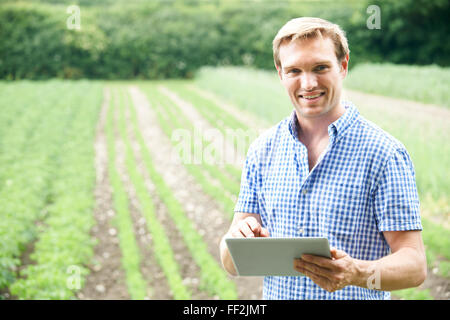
x: 278, y: 70
x: 344, y: 65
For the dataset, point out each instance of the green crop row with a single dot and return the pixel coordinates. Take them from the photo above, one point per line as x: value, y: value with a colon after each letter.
x: 231, y: 177
x: 30, y: 151
x: 212, y: 275
x: 216, y: 116
x: 169, y: 118
x: 131, y: 258
x: 64, y: 243
x: 437, y: 242
x: 257, y: 91
x: 413, y: 294
x: 427, y: 84
x: 161, y: 245
x: 13, y: 117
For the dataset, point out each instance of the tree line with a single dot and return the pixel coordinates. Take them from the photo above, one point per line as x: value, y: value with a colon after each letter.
x: 172, y: 39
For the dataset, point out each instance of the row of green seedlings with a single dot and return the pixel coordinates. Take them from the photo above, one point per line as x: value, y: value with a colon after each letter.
x: 230, y: 183
x: 12, y: 115
x: 230, y: 177
x: 437, y: 240
x: 168, y: 114
x: 218, y: 117
x: 64, y: 243
x: 27, y: 163
x: 161, y: 245
x: 213, y: 278
x: 131, y: 259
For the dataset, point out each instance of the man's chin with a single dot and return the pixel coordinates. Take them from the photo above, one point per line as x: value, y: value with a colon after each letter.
x: 311, y: 112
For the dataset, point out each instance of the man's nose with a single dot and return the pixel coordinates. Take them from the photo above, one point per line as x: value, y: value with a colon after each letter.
x: 308, y: 81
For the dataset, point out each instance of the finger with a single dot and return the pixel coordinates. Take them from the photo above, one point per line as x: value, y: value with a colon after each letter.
x: 244, y: 228
x: 236, y: 233
x: 264, y: 232
x: 253, y: 225
x: 337, y: 254
x: 316, y: 278
x: 323, y: 272
x: 320, y: 261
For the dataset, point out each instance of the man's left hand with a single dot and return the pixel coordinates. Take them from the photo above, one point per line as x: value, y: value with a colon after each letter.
x: 330, y: 274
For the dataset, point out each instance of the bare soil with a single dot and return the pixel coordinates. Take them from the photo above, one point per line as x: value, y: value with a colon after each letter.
x: 106, y: 280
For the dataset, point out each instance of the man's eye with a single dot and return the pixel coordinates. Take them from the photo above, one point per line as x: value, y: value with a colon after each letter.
x: 294, y: 71
x: 321, y: 68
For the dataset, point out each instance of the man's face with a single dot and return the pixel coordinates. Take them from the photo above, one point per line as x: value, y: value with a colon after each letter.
x: 312, y: 75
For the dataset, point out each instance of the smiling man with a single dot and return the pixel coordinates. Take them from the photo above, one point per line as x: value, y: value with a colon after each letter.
x: 325, y: 171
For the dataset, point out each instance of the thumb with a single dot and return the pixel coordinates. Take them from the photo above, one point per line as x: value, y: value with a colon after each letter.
x: 264, y: 232
x: 337, y: 254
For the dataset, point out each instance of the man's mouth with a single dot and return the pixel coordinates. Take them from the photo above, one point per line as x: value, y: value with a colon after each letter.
x: 312, y: 96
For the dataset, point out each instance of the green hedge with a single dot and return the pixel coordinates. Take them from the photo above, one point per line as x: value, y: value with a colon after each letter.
x: 172, y: 39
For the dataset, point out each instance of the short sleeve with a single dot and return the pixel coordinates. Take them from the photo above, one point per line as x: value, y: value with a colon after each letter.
x: 248, y: 194
x: 396, y: 198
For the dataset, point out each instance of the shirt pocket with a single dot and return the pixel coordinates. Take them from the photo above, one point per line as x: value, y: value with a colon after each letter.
x: 340, y: 210
x: 280, y: 212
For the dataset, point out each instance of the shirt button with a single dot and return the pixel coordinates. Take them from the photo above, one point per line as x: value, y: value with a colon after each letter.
x: 300, y: 230
x: 305, y: 191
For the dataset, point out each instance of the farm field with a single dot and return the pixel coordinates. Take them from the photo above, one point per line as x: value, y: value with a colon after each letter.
x: 122, y: 190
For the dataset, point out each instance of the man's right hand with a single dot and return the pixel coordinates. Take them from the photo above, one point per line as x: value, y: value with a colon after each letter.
x: 244, y: 225
x: 248, y: 228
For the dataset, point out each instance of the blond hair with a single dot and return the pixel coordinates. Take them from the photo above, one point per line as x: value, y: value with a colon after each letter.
x: 308, y: 27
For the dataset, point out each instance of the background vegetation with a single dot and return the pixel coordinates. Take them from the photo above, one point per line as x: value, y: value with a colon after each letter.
x: 169, y: 39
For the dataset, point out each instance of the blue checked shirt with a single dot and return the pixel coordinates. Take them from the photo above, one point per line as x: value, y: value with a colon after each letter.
x: 362, y: 185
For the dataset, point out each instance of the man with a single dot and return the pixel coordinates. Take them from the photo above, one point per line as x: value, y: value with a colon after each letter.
x: 325, y: 171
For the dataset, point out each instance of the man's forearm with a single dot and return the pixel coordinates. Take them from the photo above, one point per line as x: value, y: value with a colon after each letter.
x: 225, y: 256
x: 405, y: 268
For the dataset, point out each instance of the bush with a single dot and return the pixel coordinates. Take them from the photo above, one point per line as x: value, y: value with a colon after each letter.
x: 171, y: 39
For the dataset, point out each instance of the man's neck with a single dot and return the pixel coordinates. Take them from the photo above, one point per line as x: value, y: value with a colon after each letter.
x: 312, y: 130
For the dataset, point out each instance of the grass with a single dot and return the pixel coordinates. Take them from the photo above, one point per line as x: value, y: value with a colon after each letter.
x: 427, y: 84
x: 437, y: 242
x: 256, y: 91
x: 413, y: 294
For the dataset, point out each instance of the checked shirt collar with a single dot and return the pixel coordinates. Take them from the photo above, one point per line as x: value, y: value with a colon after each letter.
x: 336, y: 130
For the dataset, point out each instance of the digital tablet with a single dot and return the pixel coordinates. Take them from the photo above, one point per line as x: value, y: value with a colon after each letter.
x: 273, y: 256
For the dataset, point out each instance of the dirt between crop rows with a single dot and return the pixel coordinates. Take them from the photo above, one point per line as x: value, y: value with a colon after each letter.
x: 106, y: 279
